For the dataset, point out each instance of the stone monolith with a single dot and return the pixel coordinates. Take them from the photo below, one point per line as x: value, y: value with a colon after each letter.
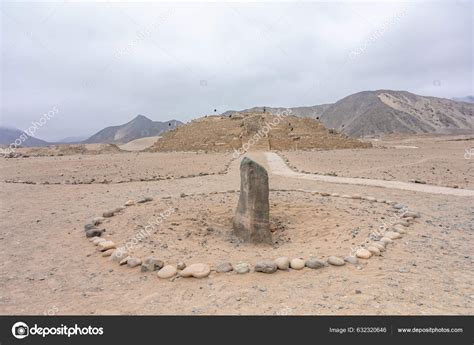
x: 251, y: 220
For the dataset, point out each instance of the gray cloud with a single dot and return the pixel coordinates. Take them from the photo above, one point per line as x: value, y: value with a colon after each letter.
x: 101, y: 64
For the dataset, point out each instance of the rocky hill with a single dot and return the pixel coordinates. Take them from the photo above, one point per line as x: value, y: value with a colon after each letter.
x: 381, y: 112
x: 255, y: 131
x: 8, y: 136
x: 139, y: 127
x: 385, y: 112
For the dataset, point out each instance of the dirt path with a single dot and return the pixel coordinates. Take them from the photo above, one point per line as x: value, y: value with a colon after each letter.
x: 278, y: 167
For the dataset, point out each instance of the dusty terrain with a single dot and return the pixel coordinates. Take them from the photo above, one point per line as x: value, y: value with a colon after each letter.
x: 436, y: 160
x: 48, y: 266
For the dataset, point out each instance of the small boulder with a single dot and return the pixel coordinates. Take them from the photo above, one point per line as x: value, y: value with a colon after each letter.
x: 374, y: 250
x: 105, y: 245
x: 133, y: 262
x: 98, y: 220
x: 266, y: 267
x: 108, y: 214
x: 315, y: 263
x: 97, y: 240
x: 336, y: 261
x: 398, y: 206
x: 130, y: 203
x: 145, y: 199
x: 118, y: 255
x: 242, y: 268
x: 151, y: 264
x: 363, y: 253
x: 224, y: 267
x: 283, y: 263
x: 94, y: 233
x: 180, y: 266
x: 167, y: 272
x: 351, y: 259
x: 89, y: 227
x: 196, y: 271
x: 386, y: 240
x: 411, y: 214
x: 297, y: 264
x: 108, y: 252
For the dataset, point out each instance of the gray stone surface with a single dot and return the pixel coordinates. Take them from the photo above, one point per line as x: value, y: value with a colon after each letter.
x: 251, y: 220
x: 224, y: 267
x: 315, y: 263
x: 152, y: 264
x: 266, y: 267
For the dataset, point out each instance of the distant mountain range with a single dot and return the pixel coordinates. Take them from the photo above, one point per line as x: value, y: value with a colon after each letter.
x: 366, y: 113
x: 381, y: 112
x: 8, y: 136
x: 139, y: 127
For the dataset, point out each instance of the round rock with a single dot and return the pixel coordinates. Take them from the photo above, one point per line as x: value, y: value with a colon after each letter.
x: 374, y: 250
x: 398, y: 206
x: 105, y: 245
x: 167, y: 272
x: 133, y: 262
x: 118, y: 255
x: 336, y: 261
x: 152, y: 263
x: 98, y: 220
x: 297, y: 264
x: 196, y: 271
x: 224, y: 267
x: 363, y: 253
x: 351, y: 259
x: 386, y: 240
x: 94, y: 233
x: 108, y: 214
x: 283, y: 263
x: 266, y: 267
x: 411, y: 214
x: 314, y: 263
x: 242, y: 268
x: 108, y: 252
x: 89, y: 227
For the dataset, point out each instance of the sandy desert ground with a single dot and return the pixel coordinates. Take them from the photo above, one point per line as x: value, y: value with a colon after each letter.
x: 49, y: 267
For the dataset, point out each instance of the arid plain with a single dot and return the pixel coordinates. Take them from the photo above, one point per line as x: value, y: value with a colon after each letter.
x: 49, y: 267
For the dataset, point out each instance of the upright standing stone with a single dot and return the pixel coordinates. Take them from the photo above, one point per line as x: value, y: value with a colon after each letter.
x: 251, y: 220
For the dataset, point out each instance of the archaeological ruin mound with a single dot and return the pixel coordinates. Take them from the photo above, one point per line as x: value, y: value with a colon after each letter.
x: 253, y: 131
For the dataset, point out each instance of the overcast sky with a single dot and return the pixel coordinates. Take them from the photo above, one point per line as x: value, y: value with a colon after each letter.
x: 101, y: 64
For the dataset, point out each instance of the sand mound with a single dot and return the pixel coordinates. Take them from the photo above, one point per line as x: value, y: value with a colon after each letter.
x: 139, y: 144
x: 254, y: 131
